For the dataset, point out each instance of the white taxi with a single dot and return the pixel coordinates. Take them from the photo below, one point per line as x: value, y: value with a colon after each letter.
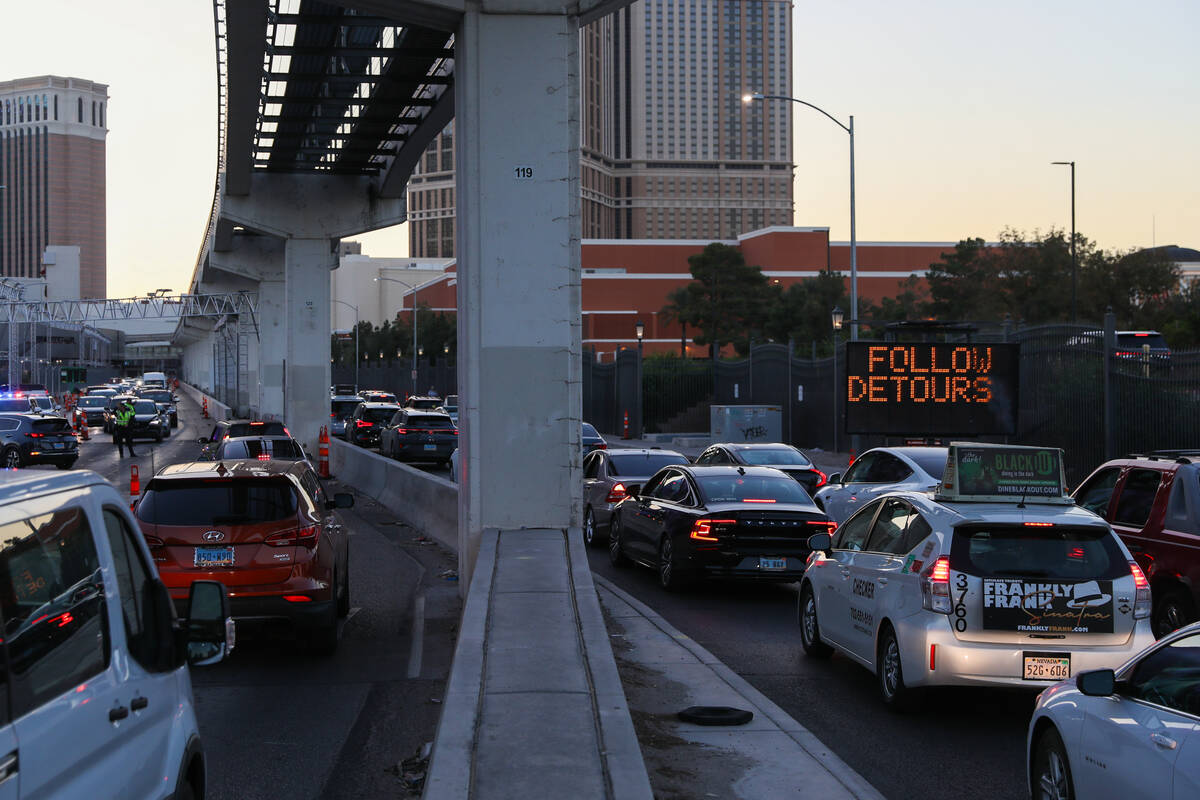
x: 997, y: 579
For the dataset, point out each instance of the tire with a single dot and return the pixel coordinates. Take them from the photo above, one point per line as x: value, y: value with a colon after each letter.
x: 668, y: 571
x: 1051, y: 769
x: 186, y: 791
x: 67, y: 465
x: 810, y: 630
x: 11, y: 459
x: 343, y: 600
x: 1172, y: 610
x: 158, y: 436
x: 889, y: 673
x: 616, y: 556
x: 589, y: 528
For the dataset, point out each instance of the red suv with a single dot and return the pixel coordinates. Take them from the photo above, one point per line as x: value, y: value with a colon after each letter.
x: 265, y: 529
x: 1153, y: 503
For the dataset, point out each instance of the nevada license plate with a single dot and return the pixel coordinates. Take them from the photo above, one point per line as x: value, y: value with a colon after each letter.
x: 56, y: 445
x: 213, y: 557
x: 1046, y: 667
x: 431, y: 447
x: 772, y: 563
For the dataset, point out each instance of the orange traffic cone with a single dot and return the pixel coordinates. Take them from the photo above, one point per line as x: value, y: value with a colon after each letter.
x: 323, y: 453
x: 135, y: 486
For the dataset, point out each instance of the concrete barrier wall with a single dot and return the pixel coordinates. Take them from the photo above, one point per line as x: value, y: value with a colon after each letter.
x: 215, y: 410
x: 423, y: 501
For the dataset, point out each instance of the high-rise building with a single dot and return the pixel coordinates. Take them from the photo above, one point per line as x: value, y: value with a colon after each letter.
x: 668, y: 148
x: 52, y: 174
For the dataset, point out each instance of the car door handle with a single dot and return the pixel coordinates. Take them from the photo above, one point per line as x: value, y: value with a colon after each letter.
x: 139, y: 703
x: 117, y: 714
x: 8, y: 766
x: 1165, y: 742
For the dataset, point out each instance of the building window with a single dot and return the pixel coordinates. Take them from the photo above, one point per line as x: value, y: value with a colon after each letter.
x: 93, y: 112
x: 56, y: 108
x: 80, y: 101
x: 102, y: 115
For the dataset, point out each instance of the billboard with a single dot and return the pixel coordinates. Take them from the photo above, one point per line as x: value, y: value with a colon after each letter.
x: 931, y: 388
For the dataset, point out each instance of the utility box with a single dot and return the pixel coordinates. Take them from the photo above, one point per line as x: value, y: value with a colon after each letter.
x: 746, y: 423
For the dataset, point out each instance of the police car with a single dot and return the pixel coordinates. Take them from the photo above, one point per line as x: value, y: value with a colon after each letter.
x: 995, y: 579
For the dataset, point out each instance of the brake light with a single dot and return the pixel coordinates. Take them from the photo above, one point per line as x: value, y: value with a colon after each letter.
x: 828, y: 525
x: 1141, y: 596
x: 756, y: 500
x: 362, y: 423
x: 35, y: 435
x: 1038, y: 524
x: 286, y: 432
x: 264, y: 456
x: 602, y: 446
x: 297, y: 598
x: 1140, y: 335
x: 402, y: 431
x: 1075, y: 553
x: 616, y: 494
x: 297, y: 536
x: 822, y: 478
x: 331, y: 415
x: 935, y: 586
x: 705, y: 530
x: 257, y: 424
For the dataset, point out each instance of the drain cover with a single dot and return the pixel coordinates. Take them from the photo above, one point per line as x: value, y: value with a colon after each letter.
x: 715, y: 715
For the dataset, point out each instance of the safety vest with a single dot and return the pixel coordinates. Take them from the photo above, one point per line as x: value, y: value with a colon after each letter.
x: 124, y: 416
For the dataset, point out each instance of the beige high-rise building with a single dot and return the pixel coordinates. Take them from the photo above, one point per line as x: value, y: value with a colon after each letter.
x: 669, y: 150
x: 52, y: 141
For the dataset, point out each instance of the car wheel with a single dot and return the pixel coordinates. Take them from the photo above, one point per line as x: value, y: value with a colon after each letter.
x: 1051, y: 770
x: 668, y: 571
x: 158, y: 436
x: 1172, y: 611
x: 810, y: 630
x: 343, y: 601
x: 890, y: 673
x: 616, y: 556
x: 11, y: 459
x: 185, y: 791
x: 589, y: 528
x: 67, y: 465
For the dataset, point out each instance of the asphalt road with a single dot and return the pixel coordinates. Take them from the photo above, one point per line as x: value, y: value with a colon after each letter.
x: 965, y: 743
x: 277, y: 721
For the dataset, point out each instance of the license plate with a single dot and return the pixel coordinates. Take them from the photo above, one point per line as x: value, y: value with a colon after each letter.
x: 772, y: 563
x: 213, y: 557
x: 1046, y: 667
x: 431, y: 447
x: 56, y: 445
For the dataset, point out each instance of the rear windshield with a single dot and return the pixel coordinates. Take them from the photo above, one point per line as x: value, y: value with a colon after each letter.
x: 1060, y: 552
x: 54, y: 425
x: 256, y: 429
x: 430, y: 421
x: 634, y: 464
x: 159, y: 397
x: 734, y: 488
x: 771, y: 456
x: 214, y: 501
x: 424, y: 403
x: 343, y: 409
x: 1135, y: 341
x: 14, y: 404
x: 932, y: 461
x: 589, y: 432
x: 379, y: 414
x: 145, y: 407
x: 282, y: 449
x: 380, y: 397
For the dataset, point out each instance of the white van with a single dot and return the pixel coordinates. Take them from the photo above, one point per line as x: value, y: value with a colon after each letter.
x: 99, y: 700
x: 154, y: 380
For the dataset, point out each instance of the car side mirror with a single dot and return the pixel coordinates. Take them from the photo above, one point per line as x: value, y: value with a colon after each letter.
x: 835, y: 478
x: 340, y: 500
x: 211, y: 632
x: 1096, y: 683
x: 822, y: 542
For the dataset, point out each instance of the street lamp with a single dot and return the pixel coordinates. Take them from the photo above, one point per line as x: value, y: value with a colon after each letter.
x: 1074, y: 262
x: 853, y: 238
x: 355, y: 308
x: 412, y: 289
x: 639, y: 330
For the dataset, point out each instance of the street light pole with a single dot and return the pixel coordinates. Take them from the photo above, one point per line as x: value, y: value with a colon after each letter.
x: 836, y: 319
x: 343, y: 302
x: 640, y: 330
x: 412, y: 289
x: 1074, y: 261
x: 849, y: 129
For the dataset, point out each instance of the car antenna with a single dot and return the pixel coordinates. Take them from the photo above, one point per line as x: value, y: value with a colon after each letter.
x: 1021, y: 504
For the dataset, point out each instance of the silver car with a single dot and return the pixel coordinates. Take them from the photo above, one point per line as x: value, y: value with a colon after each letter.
x: 877, y: 472
x: 606, y: 473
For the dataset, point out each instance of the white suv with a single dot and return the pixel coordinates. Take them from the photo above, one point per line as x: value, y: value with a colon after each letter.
x: 98, y: 699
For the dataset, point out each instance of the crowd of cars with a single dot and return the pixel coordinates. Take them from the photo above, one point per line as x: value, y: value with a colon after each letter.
x: 422, y: 428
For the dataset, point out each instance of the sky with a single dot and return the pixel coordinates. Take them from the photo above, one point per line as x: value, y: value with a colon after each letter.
x: 959, y: 108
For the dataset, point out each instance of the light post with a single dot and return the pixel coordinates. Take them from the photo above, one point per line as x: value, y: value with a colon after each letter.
x: 343, y: 302
x: 412, y: 289
x: 853, y: 233
x: 639, y: 330
x: 1074, y: 262
x: 836, y: 318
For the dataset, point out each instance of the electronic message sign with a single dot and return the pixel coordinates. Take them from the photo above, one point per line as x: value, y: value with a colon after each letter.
x: 931, y: 388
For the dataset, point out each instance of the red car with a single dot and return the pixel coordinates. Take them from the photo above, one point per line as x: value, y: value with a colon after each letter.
x: 265, y: 529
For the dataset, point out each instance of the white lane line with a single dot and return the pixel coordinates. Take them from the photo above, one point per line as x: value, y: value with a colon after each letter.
x: 418, y: 636
x: 353, y: 611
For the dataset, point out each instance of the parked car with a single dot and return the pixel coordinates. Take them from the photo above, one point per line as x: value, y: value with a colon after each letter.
x: 590, y: 439
x: 98, y: 699
x: 689, y: 522
x: 422, y: 402
x: 30, y: 439
x: 367, y: 423
x: 261, y: 448
x: 232, y: 428
x: 606, y: 473
x: 783, y: 457
x: 1152, y: 501
x: 341, y: 408
x: 266, y: 527
x: 167, y: 403
x: 1128, y: 732
x: 415, y: 435
x: 878, y: 472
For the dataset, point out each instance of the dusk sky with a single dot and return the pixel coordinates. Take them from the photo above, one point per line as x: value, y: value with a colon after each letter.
x: 959, y: 109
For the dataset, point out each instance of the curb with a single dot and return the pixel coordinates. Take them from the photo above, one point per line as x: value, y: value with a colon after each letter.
x: 855, y: 784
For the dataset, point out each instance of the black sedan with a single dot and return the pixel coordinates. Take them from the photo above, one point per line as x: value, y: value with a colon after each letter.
x: 782, y: 457
x: 416, y: 435
x: 688, y: 522
x: 367, y: 423
x: 605, y: 474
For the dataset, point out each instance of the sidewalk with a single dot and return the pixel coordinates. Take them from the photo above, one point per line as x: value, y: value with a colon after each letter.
x: 664, y: 671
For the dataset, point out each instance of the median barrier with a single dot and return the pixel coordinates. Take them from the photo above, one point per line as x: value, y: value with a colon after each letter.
x: 216, y: 410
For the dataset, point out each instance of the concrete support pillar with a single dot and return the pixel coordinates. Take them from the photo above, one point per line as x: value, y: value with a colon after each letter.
x: 306, y: 368
x: 517, y: 105
x: 272, y: 347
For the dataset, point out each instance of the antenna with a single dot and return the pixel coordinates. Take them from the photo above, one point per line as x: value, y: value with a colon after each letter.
x: 1021, y: 504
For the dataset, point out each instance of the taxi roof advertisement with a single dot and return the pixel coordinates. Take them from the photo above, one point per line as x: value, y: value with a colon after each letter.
x: 995, y: 472
x: 932, y: 388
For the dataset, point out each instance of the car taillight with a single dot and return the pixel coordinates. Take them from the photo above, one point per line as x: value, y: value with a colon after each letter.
x: 298, y: 536
x: 616, y: 494
x: 402, y: 431
x: 829, y: 525
x: 35, y: 435
x: 602, y: 446
x: 362, y: 423
x: 264, y: 456
x: 1141, y: 597
x: 706, y: 530
x: 935, y: 586
x: 822, y: 478
x: 297, y: 598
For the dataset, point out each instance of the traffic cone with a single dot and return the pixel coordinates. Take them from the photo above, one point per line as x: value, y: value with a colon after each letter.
x: 83, y: 425
x: 852, y: 457
x: 205, y: 408
x: 323, y: 453
x: 135, y: 486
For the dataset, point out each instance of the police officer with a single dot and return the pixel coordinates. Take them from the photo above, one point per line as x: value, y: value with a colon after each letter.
x: 122, y: 431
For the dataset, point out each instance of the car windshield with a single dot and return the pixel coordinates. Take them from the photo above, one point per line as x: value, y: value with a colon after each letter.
x: 43, y: 402
x: 158, y: 397
x: 343, y: 409
x: 634, y: 464
x: 1058, y: 552
x: 256, y: 429
x: 145, y: 407
x: 243, y: 501
x: 772, y: 456
x: 265, y: 449
x: 733, y: 488
x: 430, y: 421
x: 380, y: 414
x: 14, y: 404
x: 933, y: 461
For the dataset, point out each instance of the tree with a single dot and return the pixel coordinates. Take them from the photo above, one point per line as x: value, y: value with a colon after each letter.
x: 802, y: 312
x: 725, y: 301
